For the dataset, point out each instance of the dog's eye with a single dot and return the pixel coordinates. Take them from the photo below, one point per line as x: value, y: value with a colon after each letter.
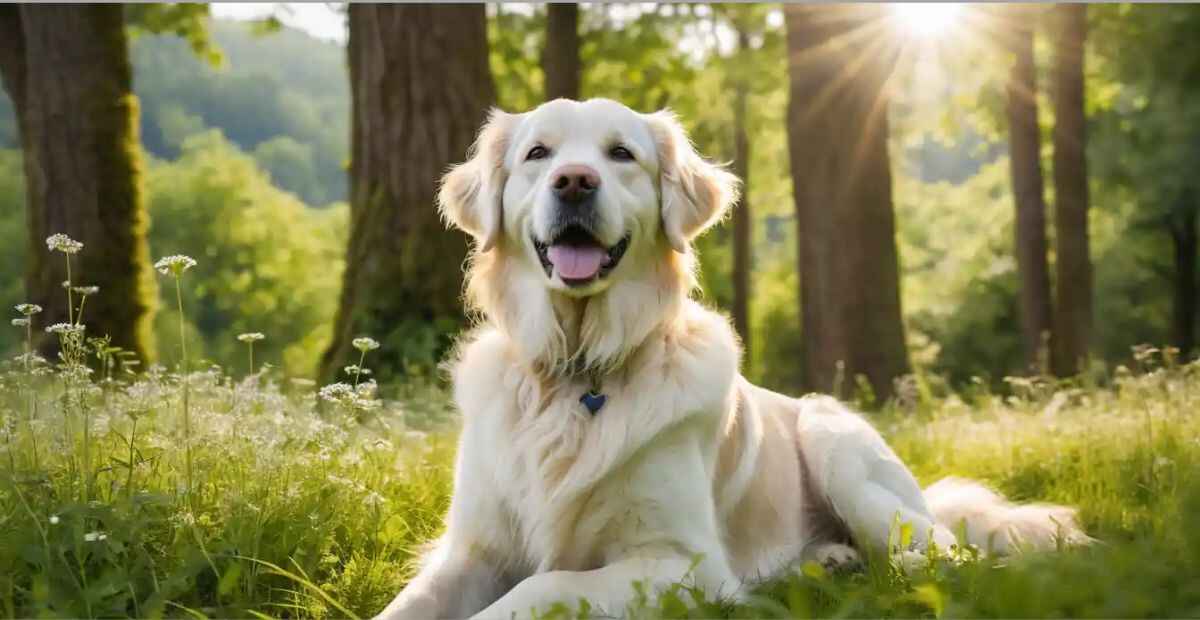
x: 620, y: 153
x: 537, y: 152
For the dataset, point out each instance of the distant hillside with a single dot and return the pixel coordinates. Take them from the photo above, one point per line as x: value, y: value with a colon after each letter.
x: 283, y: 97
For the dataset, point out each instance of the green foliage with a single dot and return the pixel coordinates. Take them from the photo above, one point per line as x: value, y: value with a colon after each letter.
x: 258, y: 82
x: 12, y: 239
x: 306, y: 509
x: 1143, y: 149
x: 267, y: 262
x: 629, y: 54
x: 959, y: 278
x: 186, y: 20
x: 275, y: 479
x: 515, y: 39
x: 291, y: 165
x: 283, y: 96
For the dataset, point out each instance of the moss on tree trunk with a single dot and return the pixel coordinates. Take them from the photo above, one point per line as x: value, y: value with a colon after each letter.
x: 421, y: 87
x: 70, y: 79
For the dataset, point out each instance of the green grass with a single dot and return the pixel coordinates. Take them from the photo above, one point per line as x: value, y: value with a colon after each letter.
x: 301, y: 507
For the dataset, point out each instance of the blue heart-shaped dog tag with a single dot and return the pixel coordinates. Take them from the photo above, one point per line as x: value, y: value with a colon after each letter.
x: 593, y: 401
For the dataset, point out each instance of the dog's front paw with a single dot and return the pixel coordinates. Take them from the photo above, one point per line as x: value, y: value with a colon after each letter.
x: 838, y: 558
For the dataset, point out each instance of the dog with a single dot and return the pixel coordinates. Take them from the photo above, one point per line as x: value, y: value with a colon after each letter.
x: 608, y: 437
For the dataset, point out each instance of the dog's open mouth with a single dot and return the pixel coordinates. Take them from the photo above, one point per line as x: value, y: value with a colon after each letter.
x: 578, y: 257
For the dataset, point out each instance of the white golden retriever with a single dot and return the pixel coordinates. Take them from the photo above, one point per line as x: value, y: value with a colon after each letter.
x: 608, y: 437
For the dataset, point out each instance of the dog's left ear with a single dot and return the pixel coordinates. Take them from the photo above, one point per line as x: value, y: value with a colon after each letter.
x: 472, y: 193
x: 695, y: 194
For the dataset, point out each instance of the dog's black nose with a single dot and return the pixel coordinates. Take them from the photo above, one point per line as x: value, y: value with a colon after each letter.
x: 575, y: 183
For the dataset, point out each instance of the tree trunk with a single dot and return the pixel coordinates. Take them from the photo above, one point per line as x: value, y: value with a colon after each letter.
x: 1183, y: 226
x: 68, y: 74
x: 837, y: 137
x: 1025, y: 166
x: 12, y: 55
x: 1073, y: 310
x: 743, y: 223
x: 560, y: 57
x: 421, y: 88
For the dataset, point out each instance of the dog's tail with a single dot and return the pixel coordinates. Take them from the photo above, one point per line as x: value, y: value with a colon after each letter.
x: 995, y: 525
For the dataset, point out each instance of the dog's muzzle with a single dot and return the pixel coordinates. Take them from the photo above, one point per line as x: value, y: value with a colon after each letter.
x: 575, y: 254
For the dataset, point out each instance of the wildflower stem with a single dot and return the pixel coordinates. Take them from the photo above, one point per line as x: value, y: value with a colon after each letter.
x: 187, y: 421
x: 129, y: 479
x: 70, y: 298
x: 31, y: 394
x: 251, y: 345
x: 358, y: 370
x: 87, y: 451
x: 79, y: 315
x: 12, y: 454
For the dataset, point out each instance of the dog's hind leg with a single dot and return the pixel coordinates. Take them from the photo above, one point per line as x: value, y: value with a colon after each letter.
x: 861, y: 479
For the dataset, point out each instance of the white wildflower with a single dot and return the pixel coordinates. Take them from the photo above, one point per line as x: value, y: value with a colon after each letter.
x: 63, y: 243
x: 65, y: 328
x: 95, y: 536
x: 365, y: 343
x: 22, y: 322
x: 86, y: 290
x: 366, y: 389
x: 351, y: 459
x: 337, y: 392
x: 354, y: 369
x: 910, y: 561
x: 54, y: 519
x: 28, y: 309
x: 380, y: 445
x: 374, y: 499
x: 174, y: 265
x: 250, y: 337
x: 366, y: 404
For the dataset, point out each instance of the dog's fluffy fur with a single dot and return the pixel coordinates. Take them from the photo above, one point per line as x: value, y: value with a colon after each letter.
x: 688, y: 470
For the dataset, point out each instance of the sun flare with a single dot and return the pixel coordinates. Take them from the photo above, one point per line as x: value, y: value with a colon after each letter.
x: 927, y: 19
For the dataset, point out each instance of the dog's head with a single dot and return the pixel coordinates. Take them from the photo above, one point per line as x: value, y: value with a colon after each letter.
x: 583, y: 200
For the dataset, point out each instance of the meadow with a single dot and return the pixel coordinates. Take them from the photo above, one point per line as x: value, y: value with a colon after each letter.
x: 201, y: 491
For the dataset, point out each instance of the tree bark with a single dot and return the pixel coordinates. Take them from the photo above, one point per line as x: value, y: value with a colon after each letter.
x: 12, y: 54
x: 743, y: 223
x: 1184, y: 235
x: 67, y: 71
x: 560, y: 57
x: 1073, y: 310
x: 1025, y: 166
x: 839, y: 62
x: 421, y: 87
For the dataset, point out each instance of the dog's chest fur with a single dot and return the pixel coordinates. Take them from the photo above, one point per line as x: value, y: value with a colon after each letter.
x: 564, y: 474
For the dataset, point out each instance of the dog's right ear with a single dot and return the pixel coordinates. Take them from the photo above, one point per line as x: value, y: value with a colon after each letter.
x: 472, y: 193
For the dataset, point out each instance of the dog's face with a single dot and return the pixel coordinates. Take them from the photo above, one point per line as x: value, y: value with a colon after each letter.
x: 586, y: 193
x: 581, y: 187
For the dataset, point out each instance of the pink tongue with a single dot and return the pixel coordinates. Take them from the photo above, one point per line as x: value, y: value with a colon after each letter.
x: 576, y: 262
